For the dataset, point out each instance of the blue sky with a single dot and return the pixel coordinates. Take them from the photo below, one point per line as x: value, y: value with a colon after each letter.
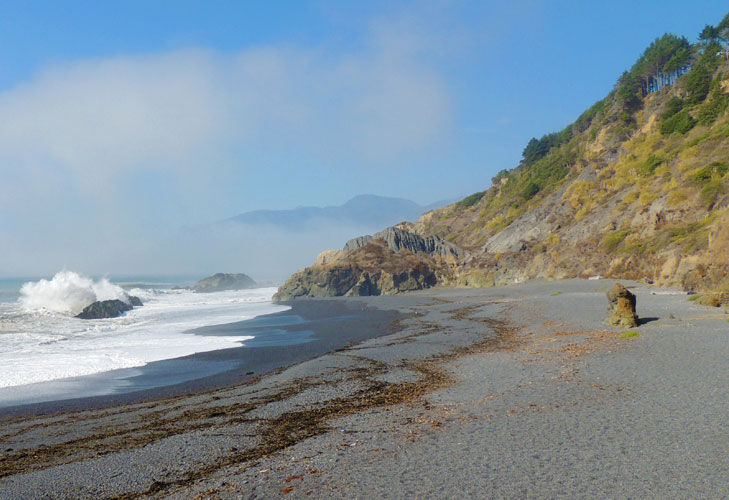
x: 161, y: 114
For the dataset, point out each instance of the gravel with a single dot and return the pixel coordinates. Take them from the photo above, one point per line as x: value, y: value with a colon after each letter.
x: 551, y: 404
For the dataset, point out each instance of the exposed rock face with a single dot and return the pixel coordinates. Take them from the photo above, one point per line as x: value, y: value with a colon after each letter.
x: 621, y: 311
x: 372, y: 269
x: 105, y: 309
x: 135, y: 301
x: 328, y: 257
x: 398, y: 239
x: 222, y: 281
x: 352, y: 281
x: 531, y: 227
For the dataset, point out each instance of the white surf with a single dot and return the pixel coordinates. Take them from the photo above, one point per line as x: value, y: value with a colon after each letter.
x: 41, y: 341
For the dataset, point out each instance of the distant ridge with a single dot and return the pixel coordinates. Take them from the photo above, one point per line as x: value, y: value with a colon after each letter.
x: 365, y: 210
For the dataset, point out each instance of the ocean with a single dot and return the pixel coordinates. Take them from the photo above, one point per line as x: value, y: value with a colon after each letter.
x: 41, y: 341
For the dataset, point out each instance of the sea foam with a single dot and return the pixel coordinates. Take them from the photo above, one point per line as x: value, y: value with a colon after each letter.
x: 41, y: 341
x: 68, y: 292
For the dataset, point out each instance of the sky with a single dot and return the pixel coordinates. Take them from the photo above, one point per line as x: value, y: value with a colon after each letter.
x: 122, y: 122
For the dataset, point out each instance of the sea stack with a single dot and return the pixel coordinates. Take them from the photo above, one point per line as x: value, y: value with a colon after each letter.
x: 221, y: 282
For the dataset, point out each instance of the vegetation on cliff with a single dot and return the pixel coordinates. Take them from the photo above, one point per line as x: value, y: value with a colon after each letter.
x: 637, y: 187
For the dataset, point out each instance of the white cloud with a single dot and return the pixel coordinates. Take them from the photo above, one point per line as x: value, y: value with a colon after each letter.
x: 96, y: 118
x: 78, y: 134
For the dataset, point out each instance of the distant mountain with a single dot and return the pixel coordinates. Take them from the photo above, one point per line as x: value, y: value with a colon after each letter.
x: 365, y: 210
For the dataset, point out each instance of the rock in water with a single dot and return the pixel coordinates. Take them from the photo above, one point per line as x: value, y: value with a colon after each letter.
x: 135, y: 301
x: 105, y: 309
x: 221, y: 281
x: 621, y: 311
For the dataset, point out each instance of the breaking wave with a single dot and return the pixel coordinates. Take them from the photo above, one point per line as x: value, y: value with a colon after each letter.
x: 68, y: 292
x: 40, y: 344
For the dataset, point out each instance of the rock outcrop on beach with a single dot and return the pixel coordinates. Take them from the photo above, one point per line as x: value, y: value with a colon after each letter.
x: 636, y: 188
x: 373, y: 268
x: 621, y: 311
x: 109, y: 308
x: 222, y: 281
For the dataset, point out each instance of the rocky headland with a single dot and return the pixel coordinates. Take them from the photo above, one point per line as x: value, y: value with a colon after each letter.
x: 392, y: 261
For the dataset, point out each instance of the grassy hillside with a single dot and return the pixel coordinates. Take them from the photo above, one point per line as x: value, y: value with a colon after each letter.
x: 660, y: 141
x: 637, y: 187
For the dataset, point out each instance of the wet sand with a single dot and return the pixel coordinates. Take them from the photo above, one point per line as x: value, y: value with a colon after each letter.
x: 514, y: 392
x: 309, y: 329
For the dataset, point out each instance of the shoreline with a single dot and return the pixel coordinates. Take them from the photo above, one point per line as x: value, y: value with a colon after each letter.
x: 308, y: 329
x: 517, y: 391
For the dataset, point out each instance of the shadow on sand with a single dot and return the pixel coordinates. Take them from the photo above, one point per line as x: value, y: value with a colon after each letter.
x: 643, y: 321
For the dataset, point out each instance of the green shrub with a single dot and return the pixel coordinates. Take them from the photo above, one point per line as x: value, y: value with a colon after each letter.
x: 611, y: 241
x: 637, y: 248
x: 705, y: 174
x: 630, y: 334
x: 672, y: 106
x: 538, y: 148
x: 681, y: 123
x: 710, y: 299
x: 710, y: 193
x: 650, y: 165
x: 503, y: 174
x: 697, y: 140
x: 585, y: 120
x: 712, y: 109
x: 471, y: 200
x: 530, y: 190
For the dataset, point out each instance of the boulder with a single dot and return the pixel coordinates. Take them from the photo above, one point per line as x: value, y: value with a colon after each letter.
x: 621, y: 310
x: 105, y: 309
x: 135, y: 301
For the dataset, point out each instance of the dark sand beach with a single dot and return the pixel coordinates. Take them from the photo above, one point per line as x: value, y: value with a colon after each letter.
x: 310, y: 329
x: 514, y: 392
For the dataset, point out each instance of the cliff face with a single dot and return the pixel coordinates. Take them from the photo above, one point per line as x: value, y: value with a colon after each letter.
x: 398, y: 238
x: 372, y: 268
x: 637, y: 187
